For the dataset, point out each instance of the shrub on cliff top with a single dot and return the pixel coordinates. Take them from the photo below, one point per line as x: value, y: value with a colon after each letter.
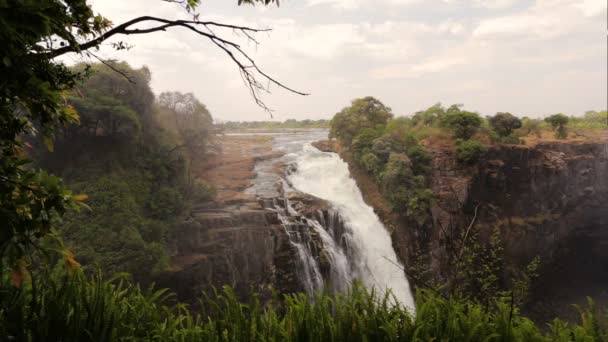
x: 504, y: 123
x: 558, y: 123
x: 469, y: 151
x: 367, y: 112
x: 462, y: 123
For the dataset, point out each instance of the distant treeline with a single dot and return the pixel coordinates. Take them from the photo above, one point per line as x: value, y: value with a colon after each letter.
x: 271, y: 125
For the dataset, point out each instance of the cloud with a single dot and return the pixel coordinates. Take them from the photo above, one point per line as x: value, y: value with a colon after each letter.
x: 544, y: 20
x: 489, y: 54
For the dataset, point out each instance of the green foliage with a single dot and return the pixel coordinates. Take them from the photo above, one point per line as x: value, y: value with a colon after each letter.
x: 31, y: 104
x: 128, y: 227
x: 389, y: 151
x: 406, y: 191
x: 364, y: 141
x: 558, y: 122
x: 429, y: 116
x: 421, y: 159
x: 479, y: 267
x: 469, y: 151
x: 366, y: 112
x: 135, y: 176
x: 372, y: 164
x: 591, y: 119
x: 109, y: 104
x: 464, y: 124
x: 66, y: 306
x: 504, y: 123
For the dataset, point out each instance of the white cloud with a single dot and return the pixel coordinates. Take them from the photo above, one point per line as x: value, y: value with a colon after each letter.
x: 489, y: 54
x: 592, y: 7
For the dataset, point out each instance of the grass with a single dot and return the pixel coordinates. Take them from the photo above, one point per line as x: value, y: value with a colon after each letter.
x: 63, y: 305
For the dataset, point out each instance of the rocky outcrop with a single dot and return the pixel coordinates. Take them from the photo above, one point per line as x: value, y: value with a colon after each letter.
x: 537, y: 196
x: 548, y: 200
x: 242, y: 245
x: 240, y: 240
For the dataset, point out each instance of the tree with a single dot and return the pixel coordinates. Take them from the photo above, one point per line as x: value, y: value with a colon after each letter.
x: 111, y: 105
x: 469, y: 151
x: 33, y: 101
x: 367, y: 112
x: 429, y: 116
x: 464, y: 124
x: 558, y: 123
x: 191, y: 118
x: 504, y: 123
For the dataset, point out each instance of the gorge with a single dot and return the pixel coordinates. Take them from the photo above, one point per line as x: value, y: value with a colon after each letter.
x: 303, y: 223
x: 301, y: 226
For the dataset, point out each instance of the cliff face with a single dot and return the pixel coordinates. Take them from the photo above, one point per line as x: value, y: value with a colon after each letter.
x: 548, y: 200
x: 537, y: 196
x: 242, y: 245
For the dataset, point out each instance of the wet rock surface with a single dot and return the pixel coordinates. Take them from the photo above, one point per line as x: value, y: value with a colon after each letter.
x: 239, y: 239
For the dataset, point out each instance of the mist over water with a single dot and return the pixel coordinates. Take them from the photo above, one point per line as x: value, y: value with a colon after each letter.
x: 370, y: 252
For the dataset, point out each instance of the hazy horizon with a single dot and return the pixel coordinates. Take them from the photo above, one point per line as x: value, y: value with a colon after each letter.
x: 531, y: 58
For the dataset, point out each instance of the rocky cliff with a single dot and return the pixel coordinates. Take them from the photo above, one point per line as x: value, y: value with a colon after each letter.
x: 249, y: 243
x: 548, y: 200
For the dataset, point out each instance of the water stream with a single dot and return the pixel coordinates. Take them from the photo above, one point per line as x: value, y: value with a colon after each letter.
x: 354, y: 242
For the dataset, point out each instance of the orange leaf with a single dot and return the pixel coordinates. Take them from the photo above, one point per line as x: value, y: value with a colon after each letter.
x: 71, y: 263
x: 80, y: 197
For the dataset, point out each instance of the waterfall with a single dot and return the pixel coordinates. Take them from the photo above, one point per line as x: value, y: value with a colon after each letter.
x: 366, y: 243
x: 341, y: 244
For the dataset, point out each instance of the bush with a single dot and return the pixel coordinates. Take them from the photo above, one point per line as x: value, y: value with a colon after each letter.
x: 406, y: 192
x: 558, y: 123
x: 504, y: 123
x: 364, y: 140
x: 165, y: 202
x: 464, y: 124
x: 366, y: 112
x: 421, y: 159
x: 383, y: 147
x: 372, y: 164
x: 469, y: 151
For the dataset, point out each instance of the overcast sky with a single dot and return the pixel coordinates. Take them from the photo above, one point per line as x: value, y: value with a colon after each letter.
x: 523, y: 56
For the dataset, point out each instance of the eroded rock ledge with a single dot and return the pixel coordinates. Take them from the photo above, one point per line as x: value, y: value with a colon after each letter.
x: 238, y: 239
x: 548, y: 200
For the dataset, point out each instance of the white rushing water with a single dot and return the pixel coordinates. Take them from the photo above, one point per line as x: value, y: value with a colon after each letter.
x: 370, y: 254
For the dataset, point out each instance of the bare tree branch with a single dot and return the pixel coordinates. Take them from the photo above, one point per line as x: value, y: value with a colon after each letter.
x: 464, y: 240
x: 248, y: 68
x: 112, y: 67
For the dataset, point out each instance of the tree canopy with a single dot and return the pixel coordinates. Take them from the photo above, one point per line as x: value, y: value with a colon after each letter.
x: 367, y: 112
x: 558, y: 122
x: 504, y: 123
x: 464, y: 124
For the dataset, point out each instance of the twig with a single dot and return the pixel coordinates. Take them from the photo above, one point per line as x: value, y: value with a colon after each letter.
x: 247, y: 66
x: 464, y: 240
x: 109, y: 65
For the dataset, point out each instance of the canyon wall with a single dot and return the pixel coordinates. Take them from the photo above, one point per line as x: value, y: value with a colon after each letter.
x: 548, y: 200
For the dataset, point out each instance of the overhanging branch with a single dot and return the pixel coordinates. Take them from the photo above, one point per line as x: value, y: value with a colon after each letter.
x: 248, y: 68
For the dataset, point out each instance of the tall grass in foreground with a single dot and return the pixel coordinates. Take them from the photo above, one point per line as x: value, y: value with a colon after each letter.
x: 66, y: 306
